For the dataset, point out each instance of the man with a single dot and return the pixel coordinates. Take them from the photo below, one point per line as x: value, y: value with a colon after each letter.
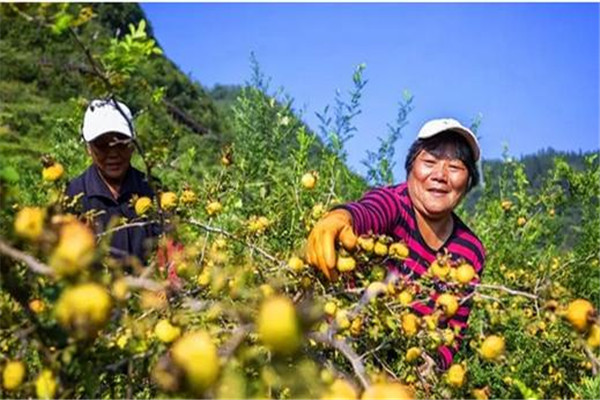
x: 108, y: 185
x: 441, y: 169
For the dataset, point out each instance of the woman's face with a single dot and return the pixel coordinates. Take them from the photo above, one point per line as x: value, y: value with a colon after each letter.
x: 436, y: 185
x: 112, y: 153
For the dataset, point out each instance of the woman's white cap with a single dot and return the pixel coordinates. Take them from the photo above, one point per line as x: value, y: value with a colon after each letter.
x: 103, y: 116
x: 436, y: 126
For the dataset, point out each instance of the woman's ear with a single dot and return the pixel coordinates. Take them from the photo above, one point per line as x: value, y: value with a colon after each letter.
x: 88, y: 149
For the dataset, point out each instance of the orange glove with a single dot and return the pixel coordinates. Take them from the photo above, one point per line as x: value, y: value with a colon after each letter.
x: 320, y: 250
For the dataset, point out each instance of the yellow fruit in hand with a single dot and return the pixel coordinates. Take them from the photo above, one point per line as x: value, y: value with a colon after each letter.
x: 380, y: 249
x: 278, y: 326
x: 579, y: 313
x: 346, y: 264
x: 492, y: 347
x: 168, y: 200
x: 165, y: 332
x: 413, y: 353
x: 399, y: 251
x: 593, y: 339
x: 330, y: 308
x: 448, y: 303
x: 465, y: 273
x: 366, y: 243
x: 340, y: 389
x: 296, y: 264
x: 29, y: 222
x: 196, y: 354
x: 13, y: 375
x: 342, y: 320
x: 75, y: 249
x: 83, y: 308
x: 405, y: 297
x: 391, y: 391
x: 439, y: 269
x: 213, y: 208
x: 45, y: 385
x: 456, y: 375
x: 410, y: 324
x: 309, y: 180
x: 142, y: 205
x: 188, y: 196
x: 53, y: 172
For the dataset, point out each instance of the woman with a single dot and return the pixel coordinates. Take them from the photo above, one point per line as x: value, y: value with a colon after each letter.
x: 441, y: 170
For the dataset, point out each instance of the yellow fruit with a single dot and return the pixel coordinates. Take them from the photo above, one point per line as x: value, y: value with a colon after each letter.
x: 366, y: 243
x: 142, y: 205
x: 277, y: 325
x: 53, y: 172
x: 266, y: 290
x: 342, y: 320
x: 410, y: 324
x: 196, y: 354
x: 165, y: 332
x: 330, y: 308
x: 391, y: 391
x: 456, y: 375
x: 296, y: 264
x: 521, y: 221
x: 593, y: 339
x: 448, y: 337
x: 188, y: 196
x: 213, y: 208
x: 45, y: 385
x: 168, y: 200
x: 204, y: 277
x: 399, y: 251
x: 506, y: 205
x: 465, y: 273
x: 13, y: 375
x: 431, y: 321
x: 120, y: 289
x: 356, y: 326
x: 75, y: 249
x: 83, y: 308
x: 413, y: 353
x: 448, y: 303
x: 29, y: 222
x: 345, y: 264
x: 309, y: 180
x: 380, y: 249
x: 440, y: 269
x: 340, y: 389
x: 405, y: 297
x: 37, y: 306
x: 579, y: 313
x: 492, y: 347
x: 480, y: 394
x: 376, y: 288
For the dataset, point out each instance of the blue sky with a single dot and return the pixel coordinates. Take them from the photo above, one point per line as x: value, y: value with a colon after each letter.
x: 531, y: 70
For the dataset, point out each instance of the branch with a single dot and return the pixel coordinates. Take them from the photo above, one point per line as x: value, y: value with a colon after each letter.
x: 347, y: 351
x: 238, y: 336
x: 505, y: 289
x: 34, y: 264
x: 126, y: 226
x: 144, y: 283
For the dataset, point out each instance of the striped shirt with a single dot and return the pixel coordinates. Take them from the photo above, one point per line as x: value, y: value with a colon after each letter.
x: 389, y: 211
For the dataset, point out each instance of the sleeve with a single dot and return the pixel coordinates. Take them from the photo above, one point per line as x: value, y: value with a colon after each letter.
x: 377, y: 212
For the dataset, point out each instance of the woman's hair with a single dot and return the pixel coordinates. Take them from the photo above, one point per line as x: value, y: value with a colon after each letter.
x: 448, y: 144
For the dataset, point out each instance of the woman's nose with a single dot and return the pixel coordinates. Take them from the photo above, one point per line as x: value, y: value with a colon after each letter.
x: 440, y: 171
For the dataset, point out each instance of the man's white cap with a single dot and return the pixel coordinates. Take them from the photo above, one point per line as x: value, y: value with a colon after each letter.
x: 436, y: 126
x: 103, y: 116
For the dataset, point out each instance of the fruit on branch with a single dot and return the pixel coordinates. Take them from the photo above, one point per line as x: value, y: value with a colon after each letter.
x: 53, y: 172
x: 29, y: 222
x: 165, y: 332
x: 142, y: 205
x: 492, y: 347
x: 342, y: 320
x: 580, y: 313
x: 346, y: 264
x: 465, y: 273
x: 13, y: 374
x: 384, y: 391
x: 440, y: 268
x: 309, y: 180
x: 380, y: 249
x: 593, y: 339
x: 455, y: 376
x: 45, y: 385
x: 340, y: 389
x: 277, y: 325
x: 188, y: 197
x: 214, y: 208
x: 168, y: 200
x: 448, y: 303
x: 83, y: 309
x: 296, y: 264
x: 398, y: 251
x: 366, y: 243
x: 506, y: 205
x: 75, y: 249
x: 413, y: 353
x: 330, y: 308
x: 410, y: 324
x: 196, y: 354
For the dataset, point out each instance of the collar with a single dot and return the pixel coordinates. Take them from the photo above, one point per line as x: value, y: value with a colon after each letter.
x: 134, y: 183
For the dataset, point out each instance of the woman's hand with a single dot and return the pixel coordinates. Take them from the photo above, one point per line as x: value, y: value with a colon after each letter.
x: 320, y: 250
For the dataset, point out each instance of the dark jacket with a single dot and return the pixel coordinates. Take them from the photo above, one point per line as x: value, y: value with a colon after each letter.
x: 97, y: 196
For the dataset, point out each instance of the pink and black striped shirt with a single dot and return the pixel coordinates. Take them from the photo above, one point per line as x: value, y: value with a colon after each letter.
x: 389, y: 211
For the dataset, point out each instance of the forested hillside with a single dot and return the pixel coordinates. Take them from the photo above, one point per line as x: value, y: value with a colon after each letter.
x: 227, y: 306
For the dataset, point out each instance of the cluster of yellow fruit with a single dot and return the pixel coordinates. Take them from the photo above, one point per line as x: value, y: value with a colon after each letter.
x: 258, y: 225
x: 342, y: 389
x: 444, y: 269
x: 168, y: 201
x: 382, y: 246
x: 14, y: 373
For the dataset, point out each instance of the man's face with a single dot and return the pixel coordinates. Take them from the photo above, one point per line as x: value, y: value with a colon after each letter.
x: 436, y: 185
x: 111, y: 153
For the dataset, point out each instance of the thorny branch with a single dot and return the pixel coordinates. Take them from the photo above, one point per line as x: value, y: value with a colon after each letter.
x: 34, y: 264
